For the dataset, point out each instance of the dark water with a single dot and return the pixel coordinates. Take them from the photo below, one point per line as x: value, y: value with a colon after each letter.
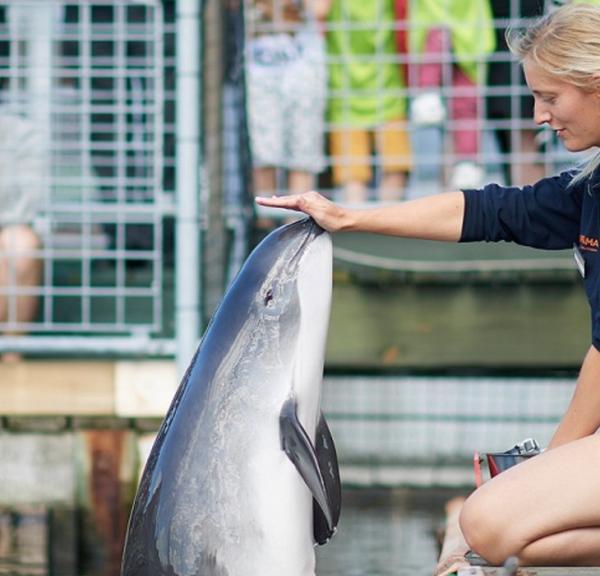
x: 385, y: 533
x: 381, y: 533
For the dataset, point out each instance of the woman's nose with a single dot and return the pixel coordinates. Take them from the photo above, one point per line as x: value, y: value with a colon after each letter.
x: 540, y: 114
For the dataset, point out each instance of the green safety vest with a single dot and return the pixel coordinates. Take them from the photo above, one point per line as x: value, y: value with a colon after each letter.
x: 366, y: 82
x: 471, y: 28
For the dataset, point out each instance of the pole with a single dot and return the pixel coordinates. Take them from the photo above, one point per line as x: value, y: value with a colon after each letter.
x: 188, y: 296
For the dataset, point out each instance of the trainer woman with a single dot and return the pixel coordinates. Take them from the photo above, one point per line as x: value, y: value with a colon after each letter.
x: 546, y: 510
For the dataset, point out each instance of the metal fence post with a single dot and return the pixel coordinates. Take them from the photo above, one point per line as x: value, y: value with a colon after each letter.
x: 189, y: 161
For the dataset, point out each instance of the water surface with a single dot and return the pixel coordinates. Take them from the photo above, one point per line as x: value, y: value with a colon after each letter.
x: 382, y: 532
x: 385, y: 532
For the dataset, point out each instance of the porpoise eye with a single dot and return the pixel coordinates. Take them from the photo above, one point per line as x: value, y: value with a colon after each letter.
x: 268, y: 296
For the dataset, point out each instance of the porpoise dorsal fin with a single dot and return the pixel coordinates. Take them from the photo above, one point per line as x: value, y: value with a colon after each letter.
x: 296, y: 443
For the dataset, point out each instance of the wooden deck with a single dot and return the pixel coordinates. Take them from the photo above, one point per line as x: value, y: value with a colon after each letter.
x: 453, y: 561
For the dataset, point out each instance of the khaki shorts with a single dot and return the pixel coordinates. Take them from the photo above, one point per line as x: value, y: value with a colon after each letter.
x: 351, y: 151
x: 287, y: 89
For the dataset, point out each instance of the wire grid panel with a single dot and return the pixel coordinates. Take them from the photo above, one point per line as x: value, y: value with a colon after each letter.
x: 421, y: 96
x: 82, y: 90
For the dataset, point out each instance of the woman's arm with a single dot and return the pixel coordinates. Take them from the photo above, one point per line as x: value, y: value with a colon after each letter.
x: 582, y: 417
x: 438, y: 217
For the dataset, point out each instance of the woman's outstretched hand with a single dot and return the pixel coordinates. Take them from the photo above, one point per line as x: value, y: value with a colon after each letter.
x: 436, y: 217
x: 327, y: 214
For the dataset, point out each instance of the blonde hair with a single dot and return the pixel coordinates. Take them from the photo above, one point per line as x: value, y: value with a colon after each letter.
x: 566, y: 44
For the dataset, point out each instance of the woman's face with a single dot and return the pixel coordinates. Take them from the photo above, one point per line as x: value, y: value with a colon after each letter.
x: 571, y: 112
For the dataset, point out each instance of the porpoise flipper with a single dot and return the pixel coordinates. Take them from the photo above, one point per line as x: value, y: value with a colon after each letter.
x: 296, y: 443
x: 328, y: 465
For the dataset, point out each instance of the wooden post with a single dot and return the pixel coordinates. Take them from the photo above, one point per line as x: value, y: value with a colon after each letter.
x: 107, y: 484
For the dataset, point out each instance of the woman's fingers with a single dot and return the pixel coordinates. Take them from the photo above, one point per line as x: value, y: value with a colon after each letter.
x: 276, y: 201
x: 325, y: 212
x: 293, y: 202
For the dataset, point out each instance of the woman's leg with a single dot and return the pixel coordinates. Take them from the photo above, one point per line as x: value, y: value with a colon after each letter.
x: 351, y: 163
x: 545, y: 511
x: 264, y: 182
x: 300, y: 181
x: 392, y: 142
x: 19, y: 268
x: 528, y: 171
x: 392, y: 187
x: 465, y: 111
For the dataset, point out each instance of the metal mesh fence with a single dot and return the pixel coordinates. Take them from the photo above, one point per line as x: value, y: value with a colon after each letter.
x: 416, y: 96
x: 86, y: 100
x: 88, y: 139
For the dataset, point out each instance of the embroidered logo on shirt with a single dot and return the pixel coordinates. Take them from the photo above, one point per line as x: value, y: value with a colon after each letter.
x: 589, y: 244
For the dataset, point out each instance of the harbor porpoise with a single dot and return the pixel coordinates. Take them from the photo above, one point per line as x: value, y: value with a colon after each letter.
x: 243, y: 477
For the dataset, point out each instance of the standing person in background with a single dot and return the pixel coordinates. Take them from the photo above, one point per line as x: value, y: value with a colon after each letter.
x: 20, y: 185
x: 451, y: 39
x: 367, y: 104
x: 286, y: 94
x: 510, y: 104
x: 545, y: 510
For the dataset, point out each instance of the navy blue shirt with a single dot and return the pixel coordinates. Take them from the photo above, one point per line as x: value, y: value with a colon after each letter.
x: 551, y: 215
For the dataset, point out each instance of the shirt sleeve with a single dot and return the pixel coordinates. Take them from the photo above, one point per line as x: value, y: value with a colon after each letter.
x: 545, y: 215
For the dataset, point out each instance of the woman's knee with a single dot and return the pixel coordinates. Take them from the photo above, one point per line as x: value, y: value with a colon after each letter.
x: 18, y: 253
x: 19, y: 239
x: 483, y: 528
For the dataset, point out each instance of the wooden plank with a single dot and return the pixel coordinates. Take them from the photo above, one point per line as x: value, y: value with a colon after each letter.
x: 142, y: 388
x: 47, y: 387
x: 452, y: 556
x: 107, y: 476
